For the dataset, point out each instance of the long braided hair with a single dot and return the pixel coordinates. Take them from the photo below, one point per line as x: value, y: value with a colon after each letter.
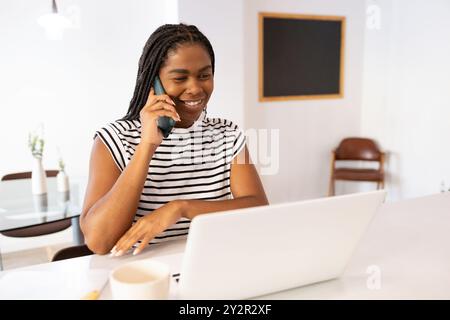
x: 165, y: 38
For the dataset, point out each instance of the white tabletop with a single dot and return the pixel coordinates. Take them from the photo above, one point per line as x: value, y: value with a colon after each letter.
x: 405, y: 254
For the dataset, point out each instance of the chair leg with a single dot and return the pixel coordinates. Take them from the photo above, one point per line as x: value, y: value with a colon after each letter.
x: 1, y: 262
x: 49, y: 252
x: 331, y: 188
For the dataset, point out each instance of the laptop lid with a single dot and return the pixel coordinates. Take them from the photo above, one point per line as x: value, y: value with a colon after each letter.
x: 250, y: 252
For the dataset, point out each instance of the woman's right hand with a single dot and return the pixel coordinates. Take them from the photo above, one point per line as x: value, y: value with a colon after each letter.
x: 155, y: 107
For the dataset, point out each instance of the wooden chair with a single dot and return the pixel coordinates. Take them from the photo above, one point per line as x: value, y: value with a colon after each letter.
x: 27, y: 175
x: 357, y: 149
x: 72, y: 252
x: 39, y: 230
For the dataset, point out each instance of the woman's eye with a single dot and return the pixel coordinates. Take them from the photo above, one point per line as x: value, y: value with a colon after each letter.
x: 180, y: 79
x: 205, y: 76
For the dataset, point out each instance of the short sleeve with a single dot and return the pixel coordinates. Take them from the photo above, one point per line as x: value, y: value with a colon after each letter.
x: 111, y: 137
x: 234, y: 139
x: 239, y: 142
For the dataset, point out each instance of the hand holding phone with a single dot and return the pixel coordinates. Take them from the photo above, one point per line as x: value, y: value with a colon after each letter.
x: 165, y: 124
x: 159, y: 106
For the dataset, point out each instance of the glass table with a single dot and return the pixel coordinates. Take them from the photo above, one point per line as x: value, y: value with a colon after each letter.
x: 20, y: 209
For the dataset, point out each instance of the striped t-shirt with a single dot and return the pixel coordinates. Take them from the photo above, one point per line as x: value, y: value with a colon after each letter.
x: 191, y: 163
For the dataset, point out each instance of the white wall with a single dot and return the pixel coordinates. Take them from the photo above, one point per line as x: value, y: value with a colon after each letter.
x: 222, y: 23
x: 406, y: 103
x: 309, y: 130
x: 73, y: 86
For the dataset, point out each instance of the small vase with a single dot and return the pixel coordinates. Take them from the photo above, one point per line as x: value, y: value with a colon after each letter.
x: 38, y: 178
x: 40, y: 202
x: 62, y: 185
x: 62, y: 181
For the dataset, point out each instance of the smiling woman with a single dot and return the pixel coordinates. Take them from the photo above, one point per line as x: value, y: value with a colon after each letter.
x: 144, y: 188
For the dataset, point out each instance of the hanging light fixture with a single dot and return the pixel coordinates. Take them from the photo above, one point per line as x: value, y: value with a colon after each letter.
x: 54, y: 23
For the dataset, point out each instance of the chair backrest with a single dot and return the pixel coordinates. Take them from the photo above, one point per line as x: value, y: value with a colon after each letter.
x: 38, y: 230
x: 72, y: 252
x: 358, y: 149
x: 27, y: 175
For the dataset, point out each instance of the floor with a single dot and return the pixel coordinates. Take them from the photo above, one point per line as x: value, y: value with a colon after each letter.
x: 29, y: 257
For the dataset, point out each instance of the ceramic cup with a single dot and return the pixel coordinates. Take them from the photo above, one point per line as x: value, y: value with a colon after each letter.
x: 145, y: 279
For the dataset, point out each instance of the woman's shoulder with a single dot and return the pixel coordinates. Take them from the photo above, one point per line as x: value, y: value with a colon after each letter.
x: 220, y: 123
x: 228, y: 130
x: 123, y: 127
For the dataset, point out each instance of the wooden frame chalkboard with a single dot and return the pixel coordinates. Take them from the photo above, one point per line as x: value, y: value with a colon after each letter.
x: 300, y: 56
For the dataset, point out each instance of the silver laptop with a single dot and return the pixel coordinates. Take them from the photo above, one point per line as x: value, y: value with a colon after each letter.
x: 250, y: 252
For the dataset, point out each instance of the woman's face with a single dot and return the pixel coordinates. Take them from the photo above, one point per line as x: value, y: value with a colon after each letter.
x: 187, y: 78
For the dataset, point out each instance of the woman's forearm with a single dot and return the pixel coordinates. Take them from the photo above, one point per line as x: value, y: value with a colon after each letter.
x: 113, y: 214
x: 191, y: 208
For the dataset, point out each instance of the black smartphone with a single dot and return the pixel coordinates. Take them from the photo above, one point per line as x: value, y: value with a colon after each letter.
x: 165, y: 124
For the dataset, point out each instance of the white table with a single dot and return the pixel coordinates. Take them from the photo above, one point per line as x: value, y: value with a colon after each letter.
x: 405, y: 254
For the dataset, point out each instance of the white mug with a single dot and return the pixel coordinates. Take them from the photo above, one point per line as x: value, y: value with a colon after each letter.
x: 145, y: 279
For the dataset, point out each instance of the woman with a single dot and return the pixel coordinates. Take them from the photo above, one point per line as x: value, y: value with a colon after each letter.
x: 144, y: 188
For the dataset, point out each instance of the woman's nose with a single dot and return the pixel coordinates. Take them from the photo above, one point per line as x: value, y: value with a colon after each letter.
x: 194, y: 88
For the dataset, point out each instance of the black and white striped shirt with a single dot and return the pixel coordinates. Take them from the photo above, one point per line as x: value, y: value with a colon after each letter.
x: 191, y: 163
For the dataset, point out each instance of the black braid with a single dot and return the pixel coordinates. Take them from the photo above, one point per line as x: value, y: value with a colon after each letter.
x: 165, y: 38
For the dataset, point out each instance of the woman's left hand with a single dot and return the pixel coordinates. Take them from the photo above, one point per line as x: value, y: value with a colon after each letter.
x: 146, y: 228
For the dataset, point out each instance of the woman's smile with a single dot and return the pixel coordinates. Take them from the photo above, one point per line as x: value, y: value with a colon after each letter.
x: 191, y: 104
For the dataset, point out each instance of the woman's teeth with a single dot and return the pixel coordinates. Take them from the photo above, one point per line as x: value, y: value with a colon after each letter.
x: 193, y: 103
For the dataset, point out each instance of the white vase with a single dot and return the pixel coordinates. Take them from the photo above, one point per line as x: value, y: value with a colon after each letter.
x: 38, y: 178
x: 62, y: 182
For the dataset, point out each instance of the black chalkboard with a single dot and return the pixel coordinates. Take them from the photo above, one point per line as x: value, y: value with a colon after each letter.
x: 301, y: 57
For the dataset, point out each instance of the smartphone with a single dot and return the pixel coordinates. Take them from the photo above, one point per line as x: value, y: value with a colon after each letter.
x: 165, y: 124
